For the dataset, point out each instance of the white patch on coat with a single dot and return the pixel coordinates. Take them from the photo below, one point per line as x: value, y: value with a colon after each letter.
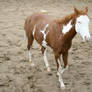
x: 34, y: 30
x: 66, y: 28
x: 82, y: 27
x: 44, y: 43
x: 46, y: 61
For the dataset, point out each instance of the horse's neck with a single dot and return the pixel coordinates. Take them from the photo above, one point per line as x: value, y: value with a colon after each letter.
x: 68, y: 36
x: 65, y: 19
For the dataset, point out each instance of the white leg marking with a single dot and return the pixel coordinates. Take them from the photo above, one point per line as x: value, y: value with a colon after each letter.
x: 60, y: 66
x: 30, y: 58
x: 60, y: 71
x: 65, y: 69
x: 61, y: 81
x: 46, y: 61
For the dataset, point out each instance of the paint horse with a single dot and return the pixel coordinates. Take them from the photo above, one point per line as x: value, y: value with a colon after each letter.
x: 57, y: 34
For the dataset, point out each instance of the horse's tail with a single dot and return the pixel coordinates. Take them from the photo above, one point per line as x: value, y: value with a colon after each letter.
x: 27, y: 27
x: 27, y: 24
x: 25, y: 37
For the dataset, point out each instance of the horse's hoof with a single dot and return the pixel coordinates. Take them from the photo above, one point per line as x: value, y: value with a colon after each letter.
x: 62, y: 87
x: 67, y: 67
x: 32, y: 64
x: 30, y: 60
x: 57, y: 73
x: 62, y: 71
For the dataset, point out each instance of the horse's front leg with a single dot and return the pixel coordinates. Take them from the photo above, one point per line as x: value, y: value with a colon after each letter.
x: 59, y: 70
x: 65, y: 60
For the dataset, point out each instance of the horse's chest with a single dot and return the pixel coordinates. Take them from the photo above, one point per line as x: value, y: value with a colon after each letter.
x: 65, y: 46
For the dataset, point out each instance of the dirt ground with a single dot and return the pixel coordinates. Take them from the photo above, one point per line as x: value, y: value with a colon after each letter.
x: 16, y: 73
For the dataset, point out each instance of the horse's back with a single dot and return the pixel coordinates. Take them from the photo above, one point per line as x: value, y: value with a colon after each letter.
x: 37, y: 23
x: 38, y: 19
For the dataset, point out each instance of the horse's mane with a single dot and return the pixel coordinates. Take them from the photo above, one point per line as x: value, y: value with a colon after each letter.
x: 64, y: 20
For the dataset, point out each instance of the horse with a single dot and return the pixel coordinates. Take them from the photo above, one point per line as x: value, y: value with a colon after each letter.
x: 57, y: 34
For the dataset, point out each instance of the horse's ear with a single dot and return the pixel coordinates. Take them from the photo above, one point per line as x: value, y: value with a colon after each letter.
x: 76, y: 11
x: 86, y: 9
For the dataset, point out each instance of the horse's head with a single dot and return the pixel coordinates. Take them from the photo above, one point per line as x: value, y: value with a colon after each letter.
x: 82, y: 23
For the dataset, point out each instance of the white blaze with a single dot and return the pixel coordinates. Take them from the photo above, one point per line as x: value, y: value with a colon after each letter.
x: 66, y: 28
x: 82, y: 27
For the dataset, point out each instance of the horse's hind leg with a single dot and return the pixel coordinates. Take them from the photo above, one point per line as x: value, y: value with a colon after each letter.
x: 45, y: 58
x: 30, y: 42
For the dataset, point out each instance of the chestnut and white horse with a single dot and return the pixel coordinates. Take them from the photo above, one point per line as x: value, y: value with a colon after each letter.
x: 57, y: 34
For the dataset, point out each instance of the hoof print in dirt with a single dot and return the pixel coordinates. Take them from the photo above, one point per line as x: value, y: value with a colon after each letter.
x: 30, y: 77
x: 49, y: 73
x: 6, y: 57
